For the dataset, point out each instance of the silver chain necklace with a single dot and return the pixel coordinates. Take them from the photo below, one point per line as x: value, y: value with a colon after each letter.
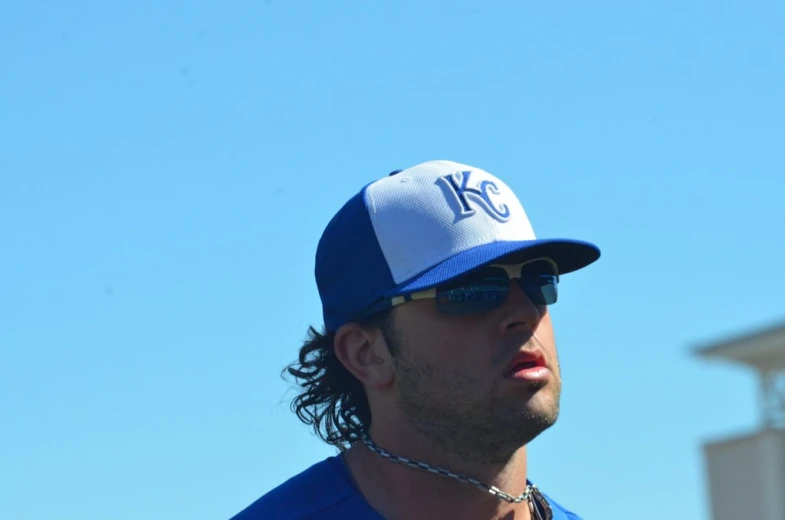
x: 538, y: 506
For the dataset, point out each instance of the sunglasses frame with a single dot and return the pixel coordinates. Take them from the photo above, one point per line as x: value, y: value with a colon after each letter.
x: 513, y: 271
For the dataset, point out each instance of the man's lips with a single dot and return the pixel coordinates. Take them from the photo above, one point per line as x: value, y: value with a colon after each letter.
x: 526, y: 361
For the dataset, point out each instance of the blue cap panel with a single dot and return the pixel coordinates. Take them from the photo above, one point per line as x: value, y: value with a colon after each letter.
x: 351, y: 271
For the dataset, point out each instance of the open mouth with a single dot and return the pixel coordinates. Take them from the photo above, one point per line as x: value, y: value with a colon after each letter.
x: 525, y: 361
x: 523, y: 365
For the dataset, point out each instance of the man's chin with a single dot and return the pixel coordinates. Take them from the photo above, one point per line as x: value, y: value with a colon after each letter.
x: 522, y: 430
x: 541, y: 411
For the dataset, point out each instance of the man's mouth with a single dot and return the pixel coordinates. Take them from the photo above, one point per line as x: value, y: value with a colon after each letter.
x: 523, y: 365
x: 527, y: 365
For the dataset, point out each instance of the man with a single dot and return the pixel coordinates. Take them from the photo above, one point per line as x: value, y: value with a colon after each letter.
x: 437, y: 363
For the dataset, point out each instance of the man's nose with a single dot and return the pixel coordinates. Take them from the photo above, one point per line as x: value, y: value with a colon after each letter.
x: 519, y: 310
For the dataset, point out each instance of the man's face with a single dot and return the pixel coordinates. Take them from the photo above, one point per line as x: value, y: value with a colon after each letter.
x: 452, y: 380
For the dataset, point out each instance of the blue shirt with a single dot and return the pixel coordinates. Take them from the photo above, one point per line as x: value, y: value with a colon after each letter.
x: 325, y: 491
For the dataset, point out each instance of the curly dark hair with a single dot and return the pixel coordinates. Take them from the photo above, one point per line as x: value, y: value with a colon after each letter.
x: 331, y: 399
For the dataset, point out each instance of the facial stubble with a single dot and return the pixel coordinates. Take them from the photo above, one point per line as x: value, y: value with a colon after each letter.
x: 443, y: 405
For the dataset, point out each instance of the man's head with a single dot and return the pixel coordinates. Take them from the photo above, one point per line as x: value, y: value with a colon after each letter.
x: 435, y: 294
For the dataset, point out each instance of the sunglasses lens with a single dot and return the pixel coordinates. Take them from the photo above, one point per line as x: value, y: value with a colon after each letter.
x: 480, y: 292
x: 539, y: 281
x: 487, y: 289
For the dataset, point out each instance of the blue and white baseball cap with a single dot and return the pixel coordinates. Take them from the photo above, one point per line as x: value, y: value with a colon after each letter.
x: 420, y: 227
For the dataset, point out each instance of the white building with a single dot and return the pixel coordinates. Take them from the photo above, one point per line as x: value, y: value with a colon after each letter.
x: 746, y: 475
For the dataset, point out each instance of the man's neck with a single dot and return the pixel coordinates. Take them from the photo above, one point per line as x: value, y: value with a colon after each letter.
x: 399, y: 491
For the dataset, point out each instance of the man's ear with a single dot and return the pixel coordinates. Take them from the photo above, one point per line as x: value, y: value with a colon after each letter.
x: 364, y: 353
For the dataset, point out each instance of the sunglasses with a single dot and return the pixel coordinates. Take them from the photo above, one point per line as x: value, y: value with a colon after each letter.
x: 487, y: 288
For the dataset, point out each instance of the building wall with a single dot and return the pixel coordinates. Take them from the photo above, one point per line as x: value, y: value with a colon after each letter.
x: 747, y: 477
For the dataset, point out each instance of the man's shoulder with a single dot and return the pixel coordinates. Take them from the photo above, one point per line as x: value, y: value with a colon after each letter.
x: 319, y: 492
x: 323, y: 492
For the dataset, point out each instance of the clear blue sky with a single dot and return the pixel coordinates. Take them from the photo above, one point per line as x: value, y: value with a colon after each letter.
x: 166, y: 169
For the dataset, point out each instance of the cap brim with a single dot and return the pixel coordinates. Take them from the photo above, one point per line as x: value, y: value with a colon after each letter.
x: 569, y: 255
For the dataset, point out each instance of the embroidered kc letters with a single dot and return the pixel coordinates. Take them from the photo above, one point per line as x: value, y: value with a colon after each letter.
x: 458, y: 184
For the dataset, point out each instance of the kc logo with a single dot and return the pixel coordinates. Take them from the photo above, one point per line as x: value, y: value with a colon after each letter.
x: 458, y: 184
